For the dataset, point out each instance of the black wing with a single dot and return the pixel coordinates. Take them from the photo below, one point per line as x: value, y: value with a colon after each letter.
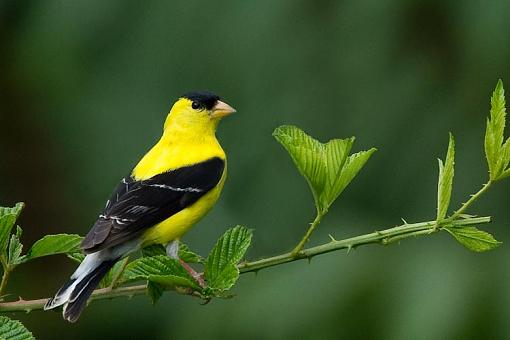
x: 137, y: 205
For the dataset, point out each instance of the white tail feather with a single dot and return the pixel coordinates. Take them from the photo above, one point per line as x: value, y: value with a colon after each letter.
x: 91, y: 262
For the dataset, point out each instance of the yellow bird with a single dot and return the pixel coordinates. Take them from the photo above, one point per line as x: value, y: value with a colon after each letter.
x: 172, y: 187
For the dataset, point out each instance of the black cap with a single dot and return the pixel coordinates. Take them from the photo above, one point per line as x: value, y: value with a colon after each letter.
x: 202, y: 98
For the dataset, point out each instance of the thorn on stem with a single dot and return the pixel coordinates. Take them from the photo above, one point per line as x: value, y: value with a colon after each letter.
x: 332, y: 238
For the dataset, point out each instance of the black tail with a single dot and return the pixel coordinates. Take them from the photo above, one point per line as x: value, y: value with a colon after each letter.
x: 74, y: 295
x: 81, y: 293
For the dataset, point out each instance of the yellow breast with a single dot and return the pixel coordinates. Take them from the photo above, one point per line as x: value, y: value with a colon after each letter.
x: 170, y: 153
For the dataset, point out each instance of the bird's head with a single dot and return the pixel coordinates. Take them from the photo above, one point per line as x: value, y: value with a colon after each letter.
x: 200, y: 111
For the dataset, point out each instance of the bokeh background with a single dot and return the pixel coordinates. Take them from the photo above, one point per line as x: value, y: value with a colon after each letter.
x: 85, y: 87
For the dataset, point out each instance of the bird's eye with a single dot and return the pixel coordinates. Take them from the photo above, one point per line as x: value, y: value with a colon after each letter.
x: 196, y: 105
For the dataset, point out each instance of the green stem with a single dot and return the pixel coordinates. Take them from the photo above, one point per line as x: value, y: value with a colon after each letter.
x: 5, y: 278
x: 99, y: 294
x: 309, y: 232
x: 473, y: 198
x: 382, y: 237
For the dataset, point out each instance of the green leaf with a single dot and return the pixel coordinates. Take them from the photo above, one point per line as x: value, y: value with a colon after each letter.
x: 474, y: 239
x: 107, y: 280
x: 311, y: 157
x: 141, y: 268
x: 221, y: 271
x: 155, y: 291
x: 445, y: 182
x: 494, y: 134
x: 172, y: 281
x: 55, y: 244
x: 77, y: 257
x: 153, y: 250
x: 187, y: 255
x: 352, y: 166
x: 161, y: 265
x: 225, y: 278
x: 15, y: 248
x: 8, y: 217
x: 505, y: 174
x: 504, y: 159
x: 13, y: 329
x: 327, y: 168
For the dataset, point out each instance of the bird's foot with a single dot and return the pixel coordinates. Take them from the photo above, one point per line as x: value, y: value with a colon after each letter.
x: 197, y: 276
x: 172, y: 250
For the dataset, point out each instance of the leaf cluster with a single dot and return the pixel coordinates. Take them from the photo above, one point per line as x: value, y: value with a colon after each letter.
x: 497, y: 151
x: 11, y: 247
x: 327, y: 167
x: 154, y: 266
x: 497, y: 154
x: 220, y: 267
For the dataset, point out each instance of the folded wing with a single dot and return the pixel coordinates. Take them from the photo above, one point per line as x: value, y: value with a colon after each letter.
x: 138, y: 205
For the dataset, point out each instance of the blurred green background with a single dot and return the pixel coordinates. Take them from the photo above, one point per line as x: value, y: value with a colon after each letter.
x: 85, y: 87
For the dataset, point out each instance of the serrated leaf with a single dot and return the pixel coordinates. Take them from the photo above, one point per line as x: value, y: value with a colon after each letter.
x: 307, y: 154
x: 155, y: 291
x: 505, y: 174
x: 15, y: 248
x: 160, y: 265
x: 141, y: 268
x: 187, y: 255
x: 153, y: 250
x: 324, y: 166
x: 224, y: 278
x: 173, y: 281
x: 107, y: 280
x: 221, y: 271
x: 503, y: 159
x: 474, y: 239
x: 13, y: 329
x: 352, y: 166
x: 55, y: 244
x: 335, y: 156
x: 8, y: 217
x: 445, y: 182
x: 494, y: 134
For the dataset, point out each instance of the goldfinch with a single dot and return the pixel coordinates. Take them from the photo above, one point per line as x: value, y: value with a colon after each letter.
x: 172, y: 187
